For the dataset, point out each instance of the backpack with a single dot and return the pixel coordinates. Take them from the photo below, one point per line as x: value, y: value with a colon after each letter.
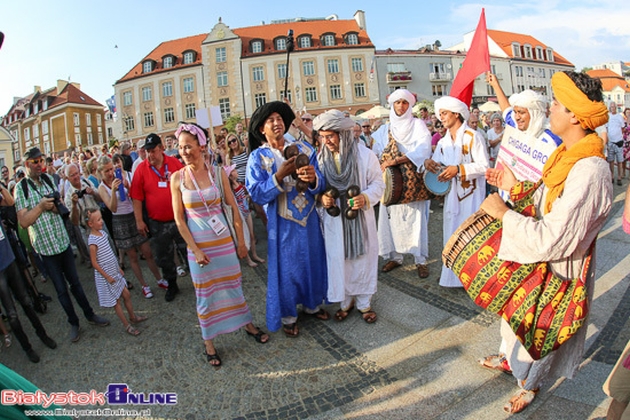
x: 46, y: 179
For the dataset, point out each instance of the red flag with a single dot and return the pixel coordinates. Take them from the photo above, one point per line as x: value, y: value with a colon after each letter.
x: 477, y: 61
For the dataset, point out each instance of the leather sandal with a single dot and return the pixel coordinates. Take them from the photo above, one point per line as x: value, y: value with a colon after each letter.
x: 520, y: 400
x: 496, y: 362
x: 290, y: 330
x: 212, y: 357
x: 131, y: 330
x: 341, y: 314
x: 322, y: 315
x: 369, y: 316
x: 258, y: 336
x: 390, y: 265
x: 423, y: 270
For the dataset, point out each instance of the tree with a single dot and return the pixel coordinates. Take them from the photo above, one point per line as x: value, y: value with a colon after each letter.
x: 231, y: 122
x: 585, y: 69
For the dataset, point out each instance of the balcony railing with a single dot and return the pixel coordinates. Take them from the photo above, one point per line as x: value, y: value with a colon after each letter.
x: 398, y: 77
x: 440, y: 77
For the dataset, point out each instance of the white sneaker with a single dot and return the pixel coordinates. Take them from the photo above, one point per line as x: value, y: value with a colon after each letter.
x: 162, y: 283
x: 146, y: 291
x: 181, y: 271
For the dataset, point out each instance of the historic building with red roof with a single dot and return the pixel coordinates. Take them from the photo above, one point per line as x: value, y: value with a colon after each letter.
x: 614, y: 87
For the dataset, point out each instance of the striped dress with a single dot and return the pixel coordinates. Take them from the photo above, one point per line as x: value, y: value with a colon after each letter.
x: 108, y: 294
x: 221, y: 307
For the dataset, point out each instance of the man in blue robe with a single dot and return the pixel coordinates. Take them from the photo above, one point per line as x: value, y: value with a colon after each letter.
x: 296, y: 254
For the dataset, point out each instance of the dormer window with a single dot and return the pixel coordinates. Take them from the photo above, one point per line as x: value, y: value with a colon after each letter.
x: 328, y: 40
x: 528, y: 51
x: 257, y: 46
x: 305, y: 41
x: 516, y: 49
x: 189, y: 57
x: 352, y: 39
x: 281, y: 43
x: 168, y: 61
x: 539, y: 53
x: 147, y: 66
x: 549, y: 54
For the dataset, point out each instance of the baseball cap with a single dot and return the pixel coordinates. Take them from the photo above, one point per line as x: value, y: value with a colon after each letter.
x: 32, y: 153
x: 151, y: 141
x: 140, y: 144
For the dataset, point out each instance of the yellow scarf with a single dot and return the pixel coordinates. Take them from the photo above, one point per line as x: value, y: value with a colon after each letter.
x: 561, y: 162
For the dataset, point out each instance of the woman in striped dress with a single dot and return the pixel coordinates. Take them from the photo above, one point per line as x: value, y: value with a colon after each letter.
x: 214, y: 267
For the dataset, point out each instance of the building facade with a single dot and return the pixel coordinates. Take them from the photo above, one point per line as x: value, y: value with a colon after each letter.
x: 614, y: 87
x: 55, y: 120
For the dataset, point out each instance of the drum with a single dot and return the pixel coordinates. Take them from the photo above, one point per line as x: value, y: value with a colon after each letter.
x: 434, y: 185
x: 392, y: 176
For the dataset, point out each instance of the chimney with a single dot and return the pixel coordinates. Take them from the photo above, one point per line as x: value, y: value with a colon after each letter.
x: 359, y: 16
x: 61, y: 85
x: 37, y: 89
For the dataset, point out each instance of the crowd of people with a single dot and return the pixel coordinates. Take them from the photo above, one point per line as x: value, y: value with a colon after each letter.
x: 315, y: 183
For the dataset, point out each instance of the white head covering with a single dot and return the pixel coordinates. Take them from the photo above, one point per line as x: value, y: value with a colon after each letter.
x: 333, y: 120
x: 452, y: 104
x: 536, y: 105
x: 401, y: 126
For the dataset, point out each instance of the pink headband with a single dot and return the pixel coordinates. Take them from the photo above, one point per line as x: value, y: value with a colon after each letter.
x: 195, y: 131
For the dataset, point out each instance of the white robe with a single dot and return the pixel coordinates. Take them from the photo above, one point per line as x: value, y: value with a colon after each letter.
x: 358, y: 276
x: 468, y: 189
x: 403, y: 228
x: 562, y: 237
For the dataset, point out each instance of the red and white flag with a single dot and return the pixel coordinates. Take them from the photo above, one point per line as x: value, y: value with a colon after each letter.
x: 477, y: 61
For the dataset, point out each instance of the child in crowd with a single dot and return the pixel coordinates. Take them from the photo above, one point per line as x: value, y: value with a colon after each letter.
x: 240, y: 193
x: 111, y: 285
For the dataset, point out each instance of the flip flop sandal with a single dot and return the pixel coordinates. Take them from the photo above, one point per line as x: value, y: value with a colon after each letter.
x: 369, y: 316
x: 340, y: 315
x: 131, y: 330
x: 212, y: 357
x: 525, y: 396
x: 290, y: 330
x: 496, y: 362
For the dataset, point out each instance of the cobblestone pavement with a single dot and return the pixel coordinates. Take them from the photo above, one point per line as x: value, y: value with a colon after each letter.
x: 417, y: 361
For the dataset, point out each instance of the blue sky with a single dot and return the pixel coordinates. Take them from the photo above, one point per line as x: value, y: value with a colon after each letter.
x: 50, y: 40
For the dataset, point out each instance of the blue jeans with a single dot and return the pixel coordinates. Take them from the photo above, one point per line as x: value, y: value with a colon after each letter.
x: 58, y: 267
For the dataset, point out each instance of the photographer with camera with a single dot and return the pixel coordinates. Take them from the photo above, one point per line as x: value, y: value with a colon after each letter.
x: 80, y: 196
x: 40, y: 210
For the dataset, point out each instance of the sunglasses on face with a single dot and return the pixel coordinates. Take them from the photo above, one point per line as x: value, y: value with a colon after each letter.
x: 306, y: 119
x: 231, y: 141
x: 36, y: 161
x: 365, y: 126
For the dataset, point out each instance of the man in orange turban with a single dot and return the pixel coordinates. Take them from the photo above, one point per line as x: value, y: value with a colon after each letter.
x: 572, y: 205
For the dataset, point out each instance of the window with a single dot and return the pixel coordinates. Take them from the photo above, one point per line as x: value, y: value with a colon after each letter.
x: 541, y: 73
x: 224, y: 107
x: 189, y: 57
x: 258, y: 73
x: 257, y: 46
x: 189, y: 85
x: 220, y: 55
x: 45, y: 104
x: 46, y: 149
x: 518, y: 71
x: 147, y: 94
x: 516, y: 50
x: 549, y: 54
x: 530, y: 72
x: 148, y: 119
x: 308, y: 68
x: 77, y: 140
x: 167, y: 62
x: 127, y: 98
x: 311, y: 94
x: 167, y: 89
x: 75, y: 118
x: 147, y: 66
x: 528, y: 51
x: 539, y: 53
x: 88, y: 119
x: 36, y: 108
x: 328, y: 40
x: 288, y: 95
x: 90, y: 139
x: 357, y: 64
x: 335, y: 92
x: 281, y: 44
x: 352, y: 39
x: 282, y: 71
x: 130, y: 124
x: 305, y: 41
x: 396, y: 67
x: 110, y: 132
x: 45, y: 127
x: 99, y: 119
x: 359, y: 90
x: 27, y: 134
x: 437, y: 68
x: 333, y: 66
x: 100, y: 138
x: 438, y: 90
x: 190, y: 111
x: 222, y: 78
x: 261, y: 99
x: 35, y: 130
x: 169, y: 115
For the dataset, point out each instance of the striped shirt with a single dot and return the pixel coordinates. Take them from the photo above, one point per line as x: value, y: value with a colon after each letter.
x: 241, y: 165
x: 48, y: 234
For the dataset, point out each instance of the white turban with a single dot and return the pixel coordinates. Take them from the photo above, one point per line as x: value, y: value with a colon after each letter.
x: 333, y: 120
x: 536, y: 105
x: 452, y: 104
x: 399, y: 94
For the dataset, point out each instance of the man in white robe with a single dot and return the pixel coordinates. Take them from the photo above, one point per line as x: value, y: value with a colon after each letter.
x: 572, y: 203
x: 461, y: 158
x: 351, y: 244
x: 403, y: 228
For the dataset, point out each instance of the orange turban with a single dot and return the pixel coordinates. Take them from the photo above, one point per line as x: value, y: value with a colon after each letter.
x: 590, y: 114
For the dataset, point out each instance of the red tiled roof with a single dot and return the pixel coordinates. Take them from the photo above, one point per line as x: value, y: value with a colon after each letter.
x: 175, y: 47
x: 314, y: 28
x: 609, y: 79
x: 73, y: 95
x: 505, y: 39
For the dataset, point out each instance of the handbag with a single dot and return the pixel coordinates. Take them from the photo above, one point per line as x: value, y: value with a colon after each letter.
x: 412, y: 187
x: 543, y: 310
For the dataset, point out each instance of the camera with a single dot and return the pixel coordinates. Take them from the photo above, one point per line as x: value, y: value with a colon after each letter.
x: 61, y: 208
x: 82, y: 192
